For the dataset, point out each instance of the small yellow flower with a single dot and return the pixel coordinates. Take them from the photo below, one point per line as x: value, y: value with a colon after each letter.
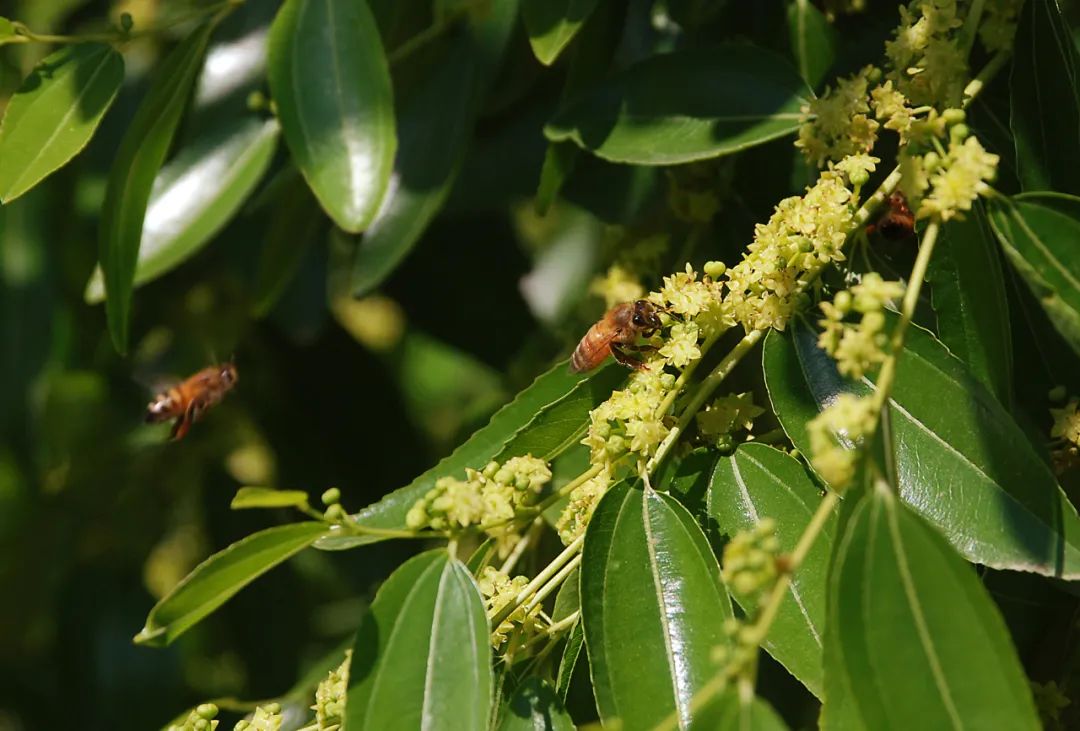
x: 583, y: 500
x: 616, y: 286
x: 499, y: 590
x: 330, y: 696
x: 964, y: 175
x: 837, y: 123
x: 681, y: 347
x: 834, y: 434
x: 1067, y: 422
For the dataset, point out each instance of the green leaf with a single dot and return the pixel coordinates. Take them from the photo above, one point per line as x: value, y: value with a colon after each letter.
x: 422, y: 657
x: 266, y: 497
x: 331, y: 83
x: 568, y: 600
x: 552, y: 24
x: 434, y: 124
x: 1044, y: 100
x: 970, y: 302
x: 813, y: 41
x: 915, y: 623
x: 131, y: 179
x: 653, y: 607
x: 570, y: 654
x: 963, y: 463
x: 687, y: 105
x: 55, y: 113
x: 296, y: 223
x: 543, y: 420
x: 535, y: 707
x: 7, y: 29
x: 195, y: 195
x: 727, y: 712
x: 1038, y: 232
x: 758, y: 482
x: 218, y: 578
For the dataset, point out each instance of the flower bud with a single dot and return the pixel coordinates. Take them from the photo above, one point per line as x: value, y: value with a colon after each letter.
x: 959, y: 132
x: 715, y: 269
x: 331, y: 496
x: 953, y: 116
x: 207, y: 711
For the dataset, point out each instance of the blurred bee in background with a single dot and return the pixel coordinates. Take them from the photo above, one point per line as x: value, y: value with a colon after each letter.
x: 187, y: 401
x: 897, y: 222
x: 616, y: 333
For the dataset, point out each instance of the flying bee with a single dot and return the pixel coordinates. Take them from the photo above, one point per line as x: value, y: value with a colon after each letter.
x: 187, y: 401
x: 898, y: 222
x: 617, y: 333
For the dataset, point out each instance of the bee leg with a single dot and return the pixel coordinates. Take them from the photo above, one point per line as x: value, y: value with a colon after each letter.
x: 623, y: 358
x: 189, y: 417
x: 642, y: 348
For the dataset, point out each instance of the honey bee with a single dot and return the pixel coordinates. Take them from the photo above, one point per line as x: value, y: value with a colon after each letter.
x: 898, y: 222
x: 187, y: 401
x: 617, y: 333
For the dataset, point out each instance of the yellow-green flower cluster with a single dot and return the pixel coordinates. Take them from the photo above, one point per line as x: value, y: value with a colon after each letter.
x: 617, y: 285
x: 998, y: 27
x: 719, y: 420
x: 629, y: 420
x: 834, y: 434
x: 750, y: 560
x: 926, y: 61
x: 265, y: 718
x: 802, y: 236
x: 958, y: 179
x: 892, y: 106
x: 695, y: 191
x: 200, y: 719
x: 740, y: 653
x: 838, y: 123
x: 695, y: 301
x: 330, y: 696
x: 1067, y: 422
x: 490, y: 496
x: 583, y: 500
x: 857, y: 348
x: 499, y: 590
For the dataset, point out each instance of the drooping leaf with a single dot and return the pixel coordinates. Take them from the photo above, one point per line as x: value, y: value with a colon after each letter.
x: 570, y: 654
x: 915, y: 622
x: 422, y: 657
x: 970, y: 302
x: 1038, y: 233
x: 687, y: 105
x: 1045, y: 100
x: 55, y: 113
x: 195, y: 195
x: 962, y: 462
x: 331, y: 84
x: 653, y: 607
x: 543, y: 420
x: 434, y: 124
x: 266, y: 497
x: 759, y: 482
x: 218, y: 578
x: 535, y: 707
x: 552, y: 24
x: 131, y: 178
x: 813, y: 41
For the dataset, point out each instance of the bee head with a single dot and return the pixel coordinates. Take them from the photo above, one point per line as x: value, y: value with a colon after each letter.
x: 229, y: 376
x: 645, y: 316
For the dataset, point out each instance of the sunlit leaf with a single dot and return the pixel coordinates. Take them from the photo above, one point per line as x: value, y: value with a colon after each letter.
x: 535, y: 707
x: 55, y: 113
x: 265, y: 497
x: 552, y: 24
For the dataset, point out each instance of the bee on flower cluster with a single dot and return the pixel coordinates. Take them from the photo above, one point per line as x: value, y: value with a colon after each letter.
x: 188, y: 401
x: 616, y: 334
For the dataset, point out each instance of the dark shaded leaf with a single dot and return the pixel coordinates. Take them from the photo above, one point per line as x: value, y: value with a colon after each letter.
x: 813, y: 41
x: 535, y: 707
x: 552, y: 24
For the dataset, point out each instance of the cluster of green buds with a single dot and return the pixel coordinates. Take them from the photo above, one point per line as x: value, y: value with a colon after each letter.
x: 330, y: 697
x: 489, y: 498
x: 857, y: 348
x: 202, y: 718
x: 583, y: 501
x: 750, y: 560
x: 719, y: 421
x: 834, y: 435
x: 265, y: 718
x: 738, y: 656
x: 927, y: 61
x: 499, y: 590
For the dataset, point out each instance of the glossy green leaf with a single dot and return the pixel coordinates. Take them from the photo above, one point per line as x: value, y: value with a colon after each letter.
x: 434, y: 124
x: 916, y: 623
x: 331, y: 83
x: 727, y: 712
x: 568, y: 600
x: 653, y: 607
x: 1045, y: 100
x: 570, y: 654
x: 962, y: 462
x: 266, y: 497
x: 543, y: 420
x: 422, y: 658
x: 758, y: 482
x: 296, y: 224
x: 552, y: 24
x: 970, y: 303
x: 813, y: 41
x: 55, y: 113
x: 535, y: 707
x: 218, y: 578
x: 131, y: 179
x: 687, y: 105
x: 195, y: 195
x: 1038, y: 232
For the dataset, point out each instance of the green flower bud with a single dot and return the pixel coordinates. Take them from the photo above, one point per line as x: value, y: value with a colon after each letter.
x: 953, y: 116
x: 842, y: 301
x: 959, y: 132
x: 126, y: 22
x: 490, y: 470
x: 207, y: 711
x: 931, y: 161
x: 1057, y: 393
x: 335, y: 513
x: 715, y: 269
x: 331, y: 496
